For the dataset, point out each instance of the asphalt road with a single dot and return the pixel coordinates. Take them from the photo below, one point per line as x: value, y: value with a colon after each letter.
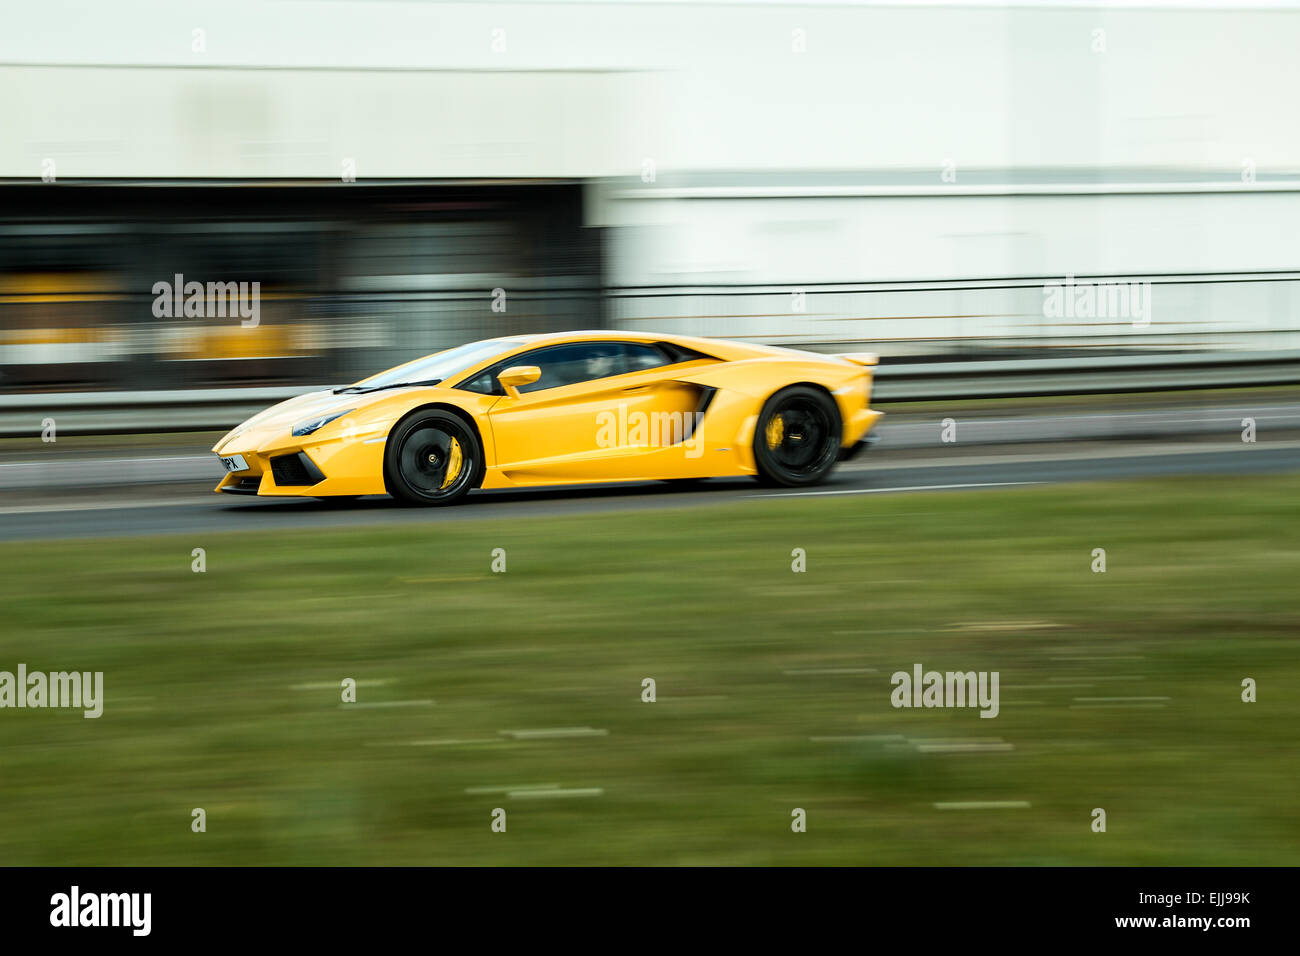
x: 151, y: 460
x: 191, y: 507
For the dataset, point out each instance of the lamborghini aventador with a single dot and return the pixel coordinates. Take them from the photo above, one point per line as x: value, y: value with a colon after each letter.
x: 567, y: 408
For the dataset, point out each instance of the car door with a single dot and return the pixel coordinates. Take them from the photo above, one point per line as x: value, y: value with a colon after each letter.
x: 652, y: 419
x: 587, y: 417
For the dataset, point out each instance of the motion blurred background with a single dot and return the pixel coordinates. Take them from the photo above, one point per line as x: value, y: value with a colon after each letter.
x: 403, y: 177
x: 917, y: 172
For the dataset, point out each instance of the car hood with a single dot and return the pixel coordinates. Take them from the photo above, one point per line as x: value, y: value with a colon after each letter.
x: 277, y: 420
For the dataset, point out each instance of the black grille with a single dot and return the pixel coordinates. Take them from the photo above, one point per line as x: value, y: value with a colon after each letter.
x: 244, y: 486
x: 295, y: 470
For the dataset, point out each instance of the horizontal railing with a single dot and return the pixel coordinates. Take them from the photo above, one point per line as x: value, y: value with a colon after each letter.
x: 127, y: 412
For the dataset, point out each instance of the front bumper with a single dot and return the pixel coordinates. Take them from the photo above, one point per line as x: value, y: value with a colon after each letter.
x: 342, y: 466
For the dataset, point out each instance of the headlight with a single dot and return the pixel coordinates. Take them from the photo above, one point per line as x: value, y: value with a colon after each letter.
x: 312, y: 424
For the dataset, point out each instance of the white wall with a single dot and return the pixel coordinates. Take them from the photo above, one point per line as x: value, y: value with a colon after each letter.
x: 938, y: 237
x: 206, y: 123
x: 714, y: 86
x: 939, y: 272
x: 708, y: 92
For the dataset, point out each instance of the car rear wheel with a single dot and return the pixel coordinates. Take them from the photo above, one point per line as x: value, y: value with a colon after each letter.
x: 797, y: 440
x: 432, y: 458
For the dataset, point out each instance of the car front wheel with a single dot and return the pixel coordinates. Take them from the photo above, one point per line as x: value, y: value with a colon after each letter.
x: 432, y: 458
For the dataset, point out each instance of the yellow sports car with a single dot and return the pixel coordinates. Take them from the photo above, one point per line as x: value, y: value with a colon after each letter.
x: 568, y: 408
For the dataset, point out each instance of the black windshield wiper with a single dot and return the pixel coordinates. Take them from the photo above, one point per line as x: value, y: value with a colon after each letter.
x: 361, y: 389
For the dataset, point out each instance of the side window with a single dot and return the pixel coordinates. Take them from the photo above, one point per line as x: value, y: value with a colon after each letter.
x: 641, y: 357
x: 485, y: 383
x: 560, y: 365
x: 579, y: 362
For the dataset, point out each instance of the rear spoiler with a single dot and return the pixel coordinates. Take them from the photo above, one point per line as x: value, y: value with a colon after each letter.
x: 861, y: 358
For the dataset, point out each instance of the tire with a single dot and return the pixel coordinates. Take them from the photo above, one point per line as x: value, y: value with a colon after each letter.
x: 797, y: 441
x: 433, y: 457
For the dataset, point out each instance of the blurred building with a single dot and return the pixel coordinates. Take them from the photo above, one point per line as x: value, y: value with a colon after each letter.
x: 910, y: 178
x: 352, y: 278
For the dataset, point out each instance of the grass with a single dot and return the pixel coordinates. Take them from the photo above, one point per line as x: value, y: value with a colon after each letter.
x: 201, y: 711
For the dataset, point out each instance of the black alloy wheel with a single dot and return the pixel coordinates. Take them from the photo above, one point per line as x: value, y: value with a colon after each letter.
x: 432, y: 458
x: 797, y: 441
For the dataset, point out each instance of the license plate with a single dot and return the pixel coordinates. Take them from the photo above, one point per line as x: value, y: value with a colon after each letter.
x: 234, y: 462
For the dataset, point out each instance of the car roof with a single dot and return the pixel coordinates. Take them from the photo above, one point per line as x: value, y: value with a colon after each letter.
x: 725, y: 349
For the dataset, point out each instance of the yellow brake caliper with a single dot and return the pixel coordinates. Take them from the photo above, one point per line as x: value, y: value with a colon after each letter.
x: 775, y: 432
x: 454, y: 460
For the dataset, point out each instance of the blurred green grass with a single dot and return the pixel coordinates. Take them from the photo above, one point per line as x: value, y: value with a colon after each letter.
x: 200, y: 709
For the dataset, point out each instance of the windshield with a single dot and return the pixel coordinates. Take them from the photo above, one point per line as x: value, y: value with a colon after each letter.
x: 436, y: 368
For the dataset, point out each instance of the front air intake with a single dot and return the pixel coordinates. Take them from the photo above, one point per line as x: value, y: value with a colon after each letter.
x: 295, y: 470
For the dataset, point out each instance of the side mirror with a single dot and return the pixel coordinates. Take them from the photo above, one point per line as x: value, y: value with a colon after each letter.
x: 517, y: 375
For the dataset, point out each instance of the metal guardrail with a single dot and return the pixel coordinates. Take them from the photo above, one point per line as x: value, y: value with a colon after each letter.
x: 1031, y: 378
x: 122, y: 413
x: 88, y: 413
